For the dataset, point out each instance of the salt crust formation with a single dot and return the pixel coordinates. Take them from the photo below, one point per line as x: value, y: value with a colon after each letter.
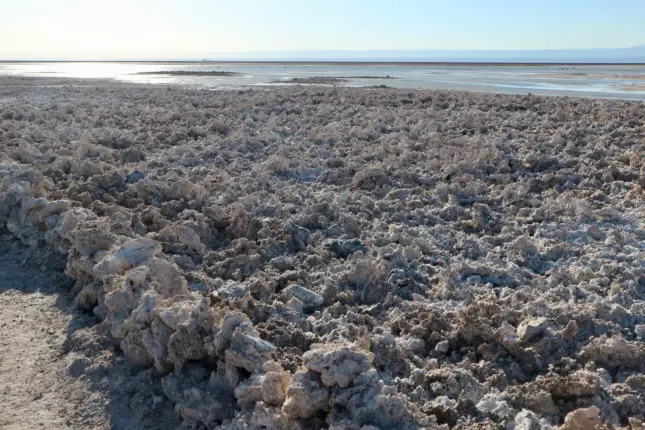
x: 347, y: 259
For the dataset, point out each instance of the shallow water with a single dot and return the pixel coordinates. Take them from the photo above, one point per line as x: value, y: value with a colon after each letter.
x: 616, y: 81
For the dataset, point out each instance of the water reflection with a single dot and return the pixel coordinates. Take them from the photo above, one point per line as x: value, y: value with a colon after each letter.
x: 600, y: 81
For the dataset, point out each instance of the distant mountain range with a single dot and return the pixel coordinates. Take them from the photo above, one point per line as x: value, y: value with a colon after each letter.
x: 635, y: 54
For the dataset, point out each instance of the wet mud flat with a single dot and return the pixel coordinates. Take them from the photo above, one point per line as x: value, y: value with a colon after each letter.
x: 306, y: 257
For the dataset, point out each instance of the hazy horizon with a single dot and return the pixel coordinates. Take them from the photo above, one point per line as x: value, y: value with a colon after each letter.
x: 635, y: 54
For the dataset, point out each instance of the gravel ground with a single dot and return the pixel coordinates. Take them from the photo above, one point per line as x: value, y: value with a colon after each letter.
x: 301, y: 258
x: 32, y: 333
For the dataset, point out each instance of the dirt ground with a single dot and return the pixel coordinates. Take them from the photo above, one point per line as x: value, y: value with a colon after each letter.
x: 45, y: 382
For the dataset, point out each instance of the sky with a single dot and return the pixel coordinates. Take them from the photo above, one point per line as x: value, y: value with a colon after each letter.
x: 182, y: 29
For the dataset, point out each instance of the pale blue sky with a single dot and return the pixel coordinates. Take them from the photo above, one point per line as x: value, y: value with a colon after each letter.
x: 140, y: 29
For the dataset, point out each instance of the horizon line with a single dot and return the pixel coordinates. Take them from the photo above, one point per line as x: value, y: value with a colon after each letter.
x: 348, y: 62
x: 636, y: 46
x: 632, y: 54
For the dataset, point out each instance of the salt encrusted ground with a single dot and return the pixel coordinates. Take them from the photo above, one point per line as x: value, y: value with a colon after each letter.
x: 303, y: 258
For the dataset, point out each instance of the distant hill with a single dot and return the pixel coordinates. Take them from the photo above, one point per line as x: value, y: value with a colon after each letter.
x: 635, y: 54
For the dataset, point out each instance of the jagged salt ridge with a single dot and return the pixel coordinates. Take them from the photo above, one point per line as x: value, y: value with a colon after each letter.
x: 313, y: 258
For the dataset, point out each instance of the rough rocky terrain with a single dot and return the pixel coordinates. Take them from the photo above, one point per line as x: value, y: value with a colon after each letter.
x: 301, y: 258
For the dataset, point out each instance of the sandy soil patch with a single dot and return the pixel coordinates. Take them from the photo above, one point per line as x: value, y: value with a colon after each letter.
x: 48, y: 378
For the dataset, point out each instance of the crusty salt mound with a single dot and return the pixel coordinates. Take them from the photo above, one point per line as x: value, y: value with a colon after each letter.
x: 347, y: 259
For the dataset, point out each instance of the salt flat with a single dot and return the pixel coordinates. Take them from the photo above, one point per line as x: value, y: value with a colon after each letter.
x: 316, y: 257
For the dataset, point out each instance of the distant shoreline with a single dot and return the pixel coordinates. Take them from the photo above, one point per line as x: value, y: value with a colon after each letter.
x: 190, y: 73
x: 345, y: 63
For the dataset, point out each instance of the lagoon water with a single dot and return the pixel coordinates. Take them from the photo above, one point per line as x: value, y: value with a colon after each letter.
x: 613, y: 81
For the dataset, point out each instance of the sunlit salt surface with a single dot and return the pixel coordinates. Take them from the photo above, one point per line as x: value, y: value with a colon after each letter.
x: 616, y: 81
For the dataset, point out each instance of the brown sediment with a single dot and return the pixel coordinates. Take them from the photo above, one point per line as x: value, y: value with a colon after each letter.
x: 628, y: 77
x: 632, y: 87
x: 589, y: 76
x: 326, y: 80
x: 190, y: 73
x: 561, y: 75
x: 318, y: 80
